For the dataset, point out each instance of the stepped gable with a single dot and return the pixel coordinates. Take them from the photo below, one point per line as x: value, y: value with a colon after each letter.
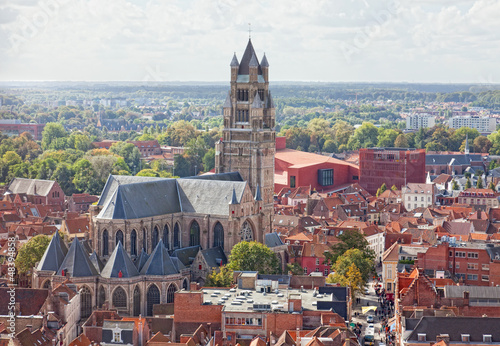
x: 77, y: 263
x: 119, y: 262
x: 54, y: 255
x: 141, y: 260
x: 96, y: 261
x: 159, y: 263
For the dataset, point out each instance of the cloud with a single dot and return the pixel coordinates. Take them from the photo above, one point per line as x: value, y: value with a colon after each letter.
x: 345, y: 40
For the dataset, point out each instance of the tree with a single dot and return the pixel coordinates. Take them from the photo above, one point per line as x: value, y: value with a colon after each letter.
x: 182, y: 167
x: 148, y: 173
x: 52, y: 132
x: 295, y: 268
x: 129, y: 152
x: 31, y: 253
x: 381, y: 189
x: 349, y: 239
x: 468, y: 184
x: 482, y: 144
x: 64, y: 176
x: 479, y: 183
x: 330, y: 146
x: 491, y: 186
x: 85, y: 179
x: 253, y: 256
x: 356, y: 257
x: 364, y: 136
x: 401, y: 141
x: 394, y: 188
x: 455, y: 185
x: 209, y: 160
x: 221, y: 278
x: 352, y: 278
x: 387, y: 137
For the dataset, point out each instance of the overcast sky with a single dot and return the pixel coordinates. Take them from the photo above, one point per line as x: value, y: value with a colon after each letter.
x: 308, y: 40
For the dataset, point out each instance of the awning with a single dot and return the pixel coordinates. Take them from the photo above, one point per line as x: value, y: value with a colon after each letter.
x: 365, y: 309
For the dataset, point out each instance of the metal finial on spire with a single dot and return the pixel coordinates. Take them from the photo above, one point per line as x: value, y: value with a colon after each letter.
x: 249, y: 31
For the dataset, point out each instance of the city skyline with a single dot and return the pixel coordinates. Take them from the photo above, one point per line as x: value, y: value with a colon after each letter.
x: 348, y: 41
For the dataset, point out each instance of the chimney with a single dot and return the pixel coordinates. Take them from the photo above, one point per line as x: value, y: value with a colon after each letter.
x: 193, y: 286
x: 443, y: 337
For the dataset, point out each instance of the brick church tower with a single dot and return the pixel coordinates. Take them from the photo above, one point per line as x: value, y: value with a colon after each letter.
x: 248, y: 142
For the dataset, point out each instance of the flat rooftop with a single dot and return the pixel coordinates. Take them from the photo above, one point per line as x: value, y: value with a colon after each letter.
x: 240, y: 300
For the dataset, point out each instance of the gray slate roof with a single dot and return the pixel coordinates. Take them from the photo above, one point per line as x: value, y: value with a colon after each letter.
x: 234, y: 61
x: 476, y: 327
x: 273, y: 240
x: 214, y: 257
x: 257, y: 102
x: 452, y: 291
x: 186, y: 255
x: 159, y: 263
x: 77, y: 262
x: 494, y: 252
x: 134, y: 199
x: 141, y: 260
x: 227, y: 102
x: 54, y: 254
x: 246, y: 58
x: 119, y: 261
x: 29, y: 186
x: 96, y: 261
x: 452, y: 159
x: 264, y: 62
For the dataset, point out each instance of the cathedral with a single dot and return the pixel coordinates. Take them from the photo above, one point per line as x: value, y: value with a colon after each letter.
x: 143, y: 229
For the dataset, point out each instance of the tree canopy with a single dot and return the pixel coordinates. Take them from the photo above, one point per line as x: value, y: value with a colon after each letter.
x: 31, y: 253
x: 253, y: 256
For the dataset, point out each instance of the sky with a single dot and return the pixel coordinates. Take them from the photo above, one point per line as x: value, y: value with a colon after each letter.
x: 437, y: 41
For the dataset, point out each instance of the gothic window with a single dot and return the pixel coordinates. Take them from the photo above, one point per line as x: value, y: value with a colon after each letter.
x: 105, y: 240
x: 261, y: 94
x: 133, y: 243
x: 154, y: 238
x: 194, y: 234
x: 171, y: 293
x: 185, y: 284
x: 137, y: 301
x: 246, y: 233
x: 46, y: 284
x: 85, y: 302
x: 177, y: 243
x: 119, y: 237
x: 119, y: 298
x: 144, y: 242
x: 219, y: 235
x: 101, y: 298
x: 153, y: 297
x: 165, y: 237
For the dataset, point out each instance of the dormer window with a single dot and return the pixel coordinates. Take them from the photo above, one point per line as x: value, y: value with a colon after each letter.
x: 422, y: 337
x: 465, y: 337
x: 487, y: 338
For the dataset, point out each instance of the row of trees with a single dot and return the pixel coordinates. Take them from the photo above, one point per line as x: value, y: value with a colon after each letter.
x: 321, y: 135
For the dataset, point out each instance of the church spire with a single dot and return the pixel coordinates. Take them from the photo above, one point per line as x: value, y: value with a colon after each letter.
x: 466, y: 144
x: 234, y: 62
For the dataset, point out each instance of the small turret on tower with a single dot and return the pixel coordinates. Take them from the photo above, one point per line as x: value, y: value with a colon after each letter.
x: 235, y: 65
x: 265, y: 68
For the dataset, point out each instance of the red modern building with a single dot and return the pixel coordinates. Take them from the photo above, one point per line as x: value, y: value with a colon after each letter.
x: 15, y: 128
x: 392, y: 166
x: 293, y: 168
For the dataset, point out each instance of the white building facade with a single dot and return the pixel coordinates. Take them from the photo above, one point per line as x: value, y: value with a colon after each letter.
x: 418, y: 195
x: 482, y: 124
x: 417, y: 121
